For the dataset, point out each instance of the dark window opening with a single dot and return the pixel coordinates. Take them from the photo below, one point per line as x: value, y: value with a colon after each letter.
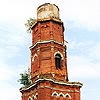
x: 33, y: 97
x: 58, y: 61
x: 36, y: 95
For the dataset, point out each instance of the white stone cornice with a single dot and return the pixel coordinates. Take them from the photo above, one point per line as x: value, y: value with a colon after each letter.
x: 63, y: 83
x: 47, y: 19
x: 67, y: 90
x: 42, y: 42
x: 77, y: 84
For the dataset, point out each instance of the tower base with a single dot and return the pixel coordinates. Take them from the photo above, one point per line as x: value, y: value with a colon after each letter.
x: 51, y: 89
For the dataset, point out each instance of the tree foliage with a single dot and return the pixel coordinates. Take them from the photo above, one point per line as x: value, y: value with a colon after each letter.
x: 29, y: 24
x: 25, y: 78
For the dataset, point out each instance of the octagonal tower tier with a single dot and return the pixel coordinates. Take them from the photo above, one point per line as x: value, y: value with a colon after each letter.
x: 47, y: 41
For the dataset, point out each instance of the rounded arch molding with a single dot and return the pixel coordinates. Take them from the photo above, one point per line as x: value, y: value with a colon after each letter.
x: 35, y: 55
x: 30, y: 98
x: 59, y: 53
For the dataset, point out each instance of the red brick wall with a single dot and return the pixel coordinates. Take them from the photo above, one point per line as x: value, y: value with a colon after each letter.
x: 46, y: 90
x: 45, y: 60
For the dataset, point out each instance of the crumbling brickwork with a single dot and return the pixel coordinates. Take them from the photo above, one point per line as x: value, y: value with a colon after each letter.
x: 49, y: 73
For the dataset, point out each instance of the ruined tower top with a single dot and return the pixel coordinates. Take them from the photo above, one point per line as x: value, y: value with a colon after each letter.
x: 49, y: 74
x: 47, y: 11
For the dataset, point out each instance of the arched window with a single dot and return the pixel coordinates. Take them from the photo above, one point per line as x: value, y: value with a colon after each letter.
x: 33, y: 98
x: 58, y: 61
x: 29, y: 98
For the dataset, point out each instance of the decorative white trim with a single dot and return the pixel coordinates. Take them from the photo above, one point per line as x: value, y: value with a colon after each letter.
x: 60, y: 54
x: 61, y: 94
x: 47, y: 19
x: 35, y: 55
x: 57, y: 89
x: 56, y: 82
x: 38, y: 76
x: 55, y: 94
x: 33, y: 96
x: 65, y: 77
x: 36, y: 94
x: 53, y: 74
x: 64, y: 83
x: 41, y: 42
x: 29, y: 98
x: 67, y: 95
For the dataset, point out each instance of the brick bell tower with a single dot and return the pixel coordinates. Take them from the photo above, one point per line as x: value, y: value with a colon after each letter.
x: 49, y: 74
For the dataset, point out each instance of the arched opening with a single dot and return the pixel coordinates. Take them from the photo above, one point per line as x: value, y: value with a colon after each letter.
x: 33, y: 98
x: 36, y: 95
x: 29, y: 98
x: 54, y: 95
x: 58, y: 61
x: 67, y: 96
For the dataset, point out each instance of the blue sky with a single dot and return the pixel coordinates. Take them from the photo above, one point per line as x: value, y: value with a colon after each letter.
x: 82, y: 31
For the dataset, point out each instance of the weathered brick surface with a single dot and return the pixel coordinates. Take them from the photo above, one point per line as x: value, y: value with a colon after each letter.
x: 47, y: 39
x: 48, y: 82
x: 46, y: 90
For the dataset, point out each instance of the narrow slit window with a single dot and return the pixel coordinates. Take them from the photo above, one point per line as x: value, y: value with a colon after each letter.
x: 58, y: 61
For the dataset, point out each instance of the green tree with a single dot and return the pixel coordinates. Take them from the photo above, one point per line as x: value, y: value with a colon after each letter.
x: 29, y: 24
x: 25, y: 78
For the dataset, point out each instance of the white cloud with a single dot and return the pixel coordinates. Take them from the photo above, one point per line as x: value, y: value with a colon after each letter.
x: 83, y: 13
x: 81, y: 67
x: 5, y: 72
x: 86, y: 61
x: 94, y: 52
x: 13, y: 39
x: 9, y: 75
x: 9, y: 92
x: 90, y: 46
x: 9, y: 72
x: 77, y: 13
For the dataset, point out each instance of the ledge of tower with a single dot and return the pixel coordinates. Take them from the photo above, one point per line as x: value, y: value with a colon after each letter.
x: 72, y: 84
x: 42, y: 42
x: 47, y: 19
